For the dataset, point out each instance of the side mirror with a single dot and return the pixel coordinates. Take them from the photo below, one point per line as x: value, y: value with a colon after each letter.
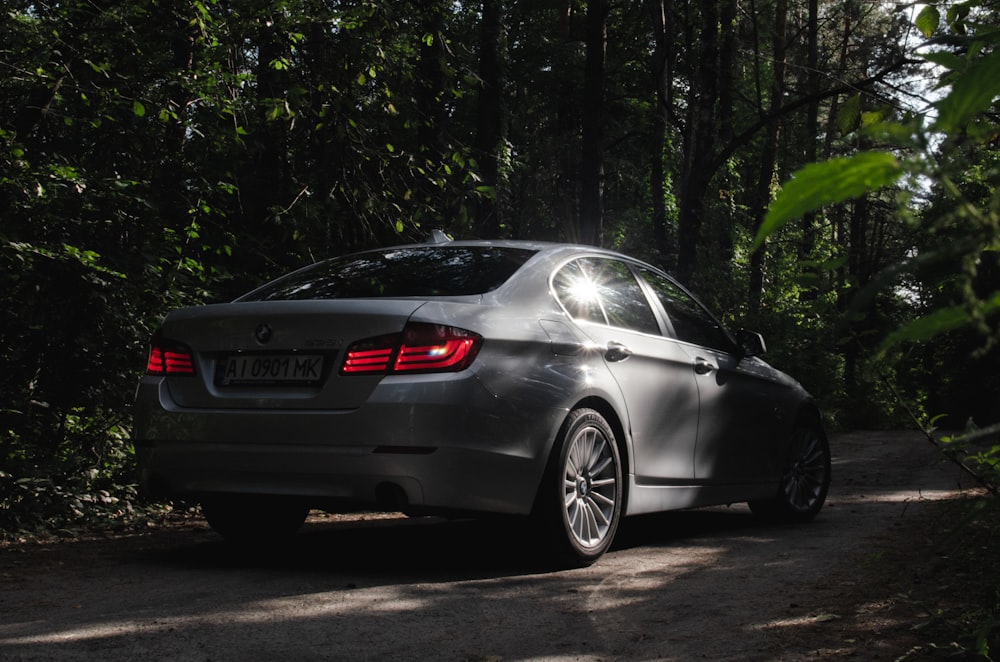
x: 752, y: 343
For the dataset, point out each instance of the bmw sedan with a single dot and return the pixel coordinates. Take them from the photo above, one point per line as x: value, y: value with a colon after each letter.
x: 571, y: 384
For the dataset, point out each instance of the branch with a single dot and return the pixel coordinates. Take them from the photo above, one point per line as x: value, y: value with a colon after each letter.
x: 744, y: 137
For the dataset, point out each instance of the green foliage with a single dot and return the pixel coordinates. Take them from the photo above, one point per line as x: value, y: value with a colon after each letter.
x: 941, y: 321
x: 951, y: 154
x: 978, y: 449
x: 156, y: 155
x: 819, y: 184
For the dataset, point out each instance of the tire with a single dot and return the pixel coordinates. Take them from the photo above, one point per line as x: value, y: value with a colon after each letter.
x: 805, y: 479
x: 581, y: 496
x: 254, y: 519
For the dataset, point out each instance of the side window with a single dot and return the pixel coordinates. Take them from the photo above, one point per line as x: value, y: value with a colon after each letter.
x: 692, y: 323
x: 577, y: 293
x: 604, y: 291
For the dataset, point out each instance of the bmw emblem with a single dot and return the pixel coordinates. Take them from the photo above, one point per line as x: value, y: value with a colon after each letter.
x: 263, y: 334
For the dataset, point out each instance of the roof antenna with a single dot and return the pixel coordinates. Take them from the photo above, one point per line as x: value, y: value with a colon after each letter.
x: 438, y: 237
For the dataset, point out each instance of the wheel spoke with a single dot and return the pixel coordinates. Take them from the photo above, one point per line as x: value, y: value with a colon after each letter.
x: 603, y: 464
x: 594, y: 530
x: 602, y: 500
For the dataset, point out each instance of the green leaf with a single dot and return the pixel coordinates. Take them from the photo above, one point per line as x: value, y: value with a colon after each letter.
x: 850, y: 114
x: 938, y: 322
x: 928, y: 20
x: 972, y: 93
x: 138, y: 109
x: 956, y: 17
x: 875, y: 117
x: 825, y: 183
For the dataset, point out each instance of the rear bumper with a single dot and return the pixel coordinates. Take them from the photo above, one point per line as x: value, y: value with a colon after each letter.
x: 328, y: 477
x: 451, y: 445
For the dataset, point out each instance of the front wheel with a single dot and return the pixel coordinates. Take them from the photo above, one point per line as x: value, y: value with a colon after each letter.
x: 805, y: 479
x: 581, y: 496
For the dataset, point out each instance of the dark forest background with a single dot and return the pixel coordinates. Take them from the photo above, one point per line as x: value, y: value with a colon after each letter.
x: 157, y: 154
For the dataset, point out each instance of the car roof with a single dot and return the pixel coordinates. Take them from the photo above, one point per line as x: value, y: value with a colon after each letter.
x: 549, y: 247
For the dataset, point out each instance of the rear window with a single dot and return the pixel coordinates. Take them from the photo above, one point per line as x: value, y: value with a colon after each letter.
x: 418, y: 271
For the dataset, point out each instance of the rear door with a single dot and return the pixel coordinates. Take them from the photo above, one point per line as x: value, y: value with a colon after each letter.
x: 652, y: 371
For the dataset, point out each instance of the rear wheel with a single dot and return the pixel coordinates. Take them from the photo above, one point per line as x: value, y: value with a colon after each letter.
x: 805, y: 479
x: 252, y: 518
x: 581, y: 496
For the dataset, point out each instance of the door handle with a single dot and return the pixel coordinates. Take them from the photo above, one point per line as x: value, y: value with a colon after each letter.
x: 703, y: 366
x: 617, y: 352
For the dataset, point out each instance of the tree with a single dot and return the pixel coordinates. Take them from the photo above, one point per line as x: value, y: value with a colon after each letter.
x: 963, y: 230
x: 592, y: 156
x: 491, y: 127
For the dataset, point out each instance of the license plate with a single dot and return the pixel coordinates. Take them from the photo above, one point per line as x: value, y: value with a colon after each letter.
x: 272, y: 369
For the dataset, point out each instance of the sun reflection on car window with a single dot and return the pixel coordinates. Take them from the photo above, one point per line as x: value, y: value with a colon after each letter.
x: 583, y: 291
x: 604, y: 291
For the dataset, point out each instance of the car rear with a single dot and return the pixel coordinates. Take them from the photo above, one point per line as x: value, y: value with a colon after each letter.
x: 316, y: 387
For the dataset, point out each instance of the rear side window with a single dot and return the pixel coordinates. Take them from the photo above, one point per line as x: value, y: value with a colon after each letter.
x: 604, y: 291
x: 418, y: 271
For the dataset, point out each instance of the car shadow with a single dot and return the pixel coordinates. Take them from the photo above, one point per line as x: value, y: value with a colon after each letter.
x: 432, y: 548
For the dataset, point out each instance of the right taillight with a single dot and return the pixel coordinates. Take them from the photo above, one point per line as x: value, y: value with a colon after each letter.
x: 420, y: 348
x: 169, y: 359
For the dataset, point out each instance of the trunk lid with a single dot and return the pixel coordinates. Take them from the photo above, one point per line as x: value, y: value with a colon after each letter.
x: 278, y: 354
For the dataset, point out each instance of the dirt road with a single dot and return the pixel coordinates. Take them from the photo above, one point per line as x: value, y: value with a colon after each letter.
x: 711, y: 584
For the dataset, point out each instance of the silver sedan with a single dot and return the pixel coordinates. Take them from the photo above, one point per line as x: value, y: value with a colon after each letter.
x: 567, y: 383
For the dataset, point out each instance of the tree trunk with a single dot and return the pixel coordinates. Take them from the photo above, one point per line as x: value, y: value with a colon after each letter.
x: 592, y: 152
x: 662, y: 66
x: 567, y: 126
x: 769, y: 152
x: 263, y: 182
x: 812, y: 119
x: 700, y: 126
x: 490, y: 133
x: 431, y: 79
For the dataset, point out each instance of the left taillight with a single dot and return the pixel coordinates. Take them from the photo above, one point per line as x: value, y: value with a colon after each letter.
x: 420, y: 348
x: 169, y: 359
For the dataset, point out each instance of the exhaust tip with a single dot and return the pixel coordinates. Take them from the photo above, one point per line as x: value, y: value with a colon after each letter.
x: 391, y: 497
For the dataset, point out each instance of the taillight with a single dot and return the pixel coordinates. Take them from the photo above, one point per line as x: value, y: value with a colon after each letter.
x: 419, y: 348
x: 370, y: 356
x: 434, y: 348
x: 169, y: 359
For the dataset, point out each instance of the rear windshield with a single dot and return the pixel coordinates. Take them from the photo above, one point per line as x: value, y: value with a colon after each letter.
x: 419, y: 271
